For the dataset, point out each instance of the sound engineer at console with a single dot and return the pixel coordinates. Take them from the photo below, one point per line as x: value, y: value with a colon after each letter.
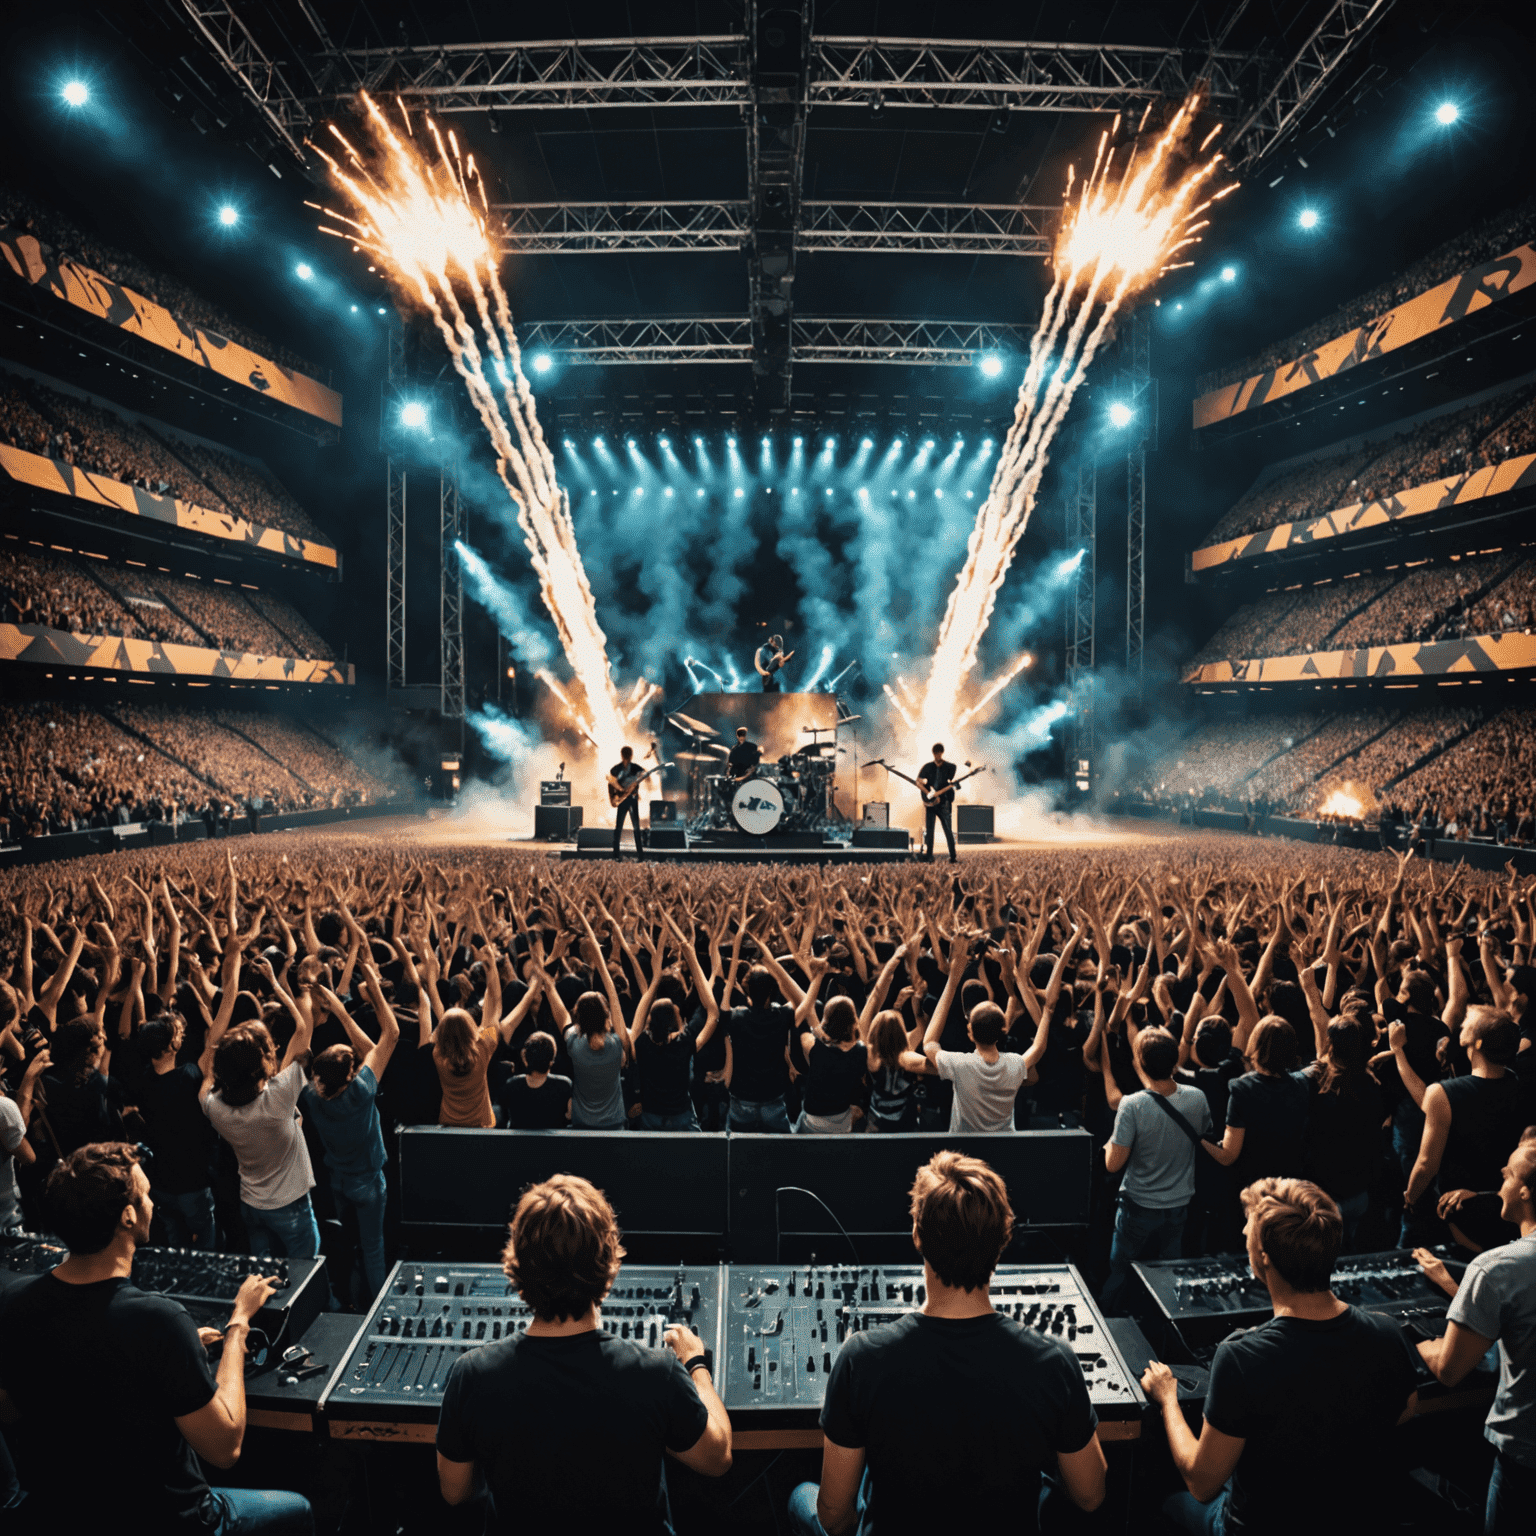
x: 1286, y: 1396
x: 105, y: 1391
x: 566, y: 1424
x: 946, y: 1419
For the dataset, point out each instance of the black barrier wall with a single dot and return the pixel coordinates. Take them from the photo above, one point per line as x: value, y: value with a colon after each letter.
x: 745, y: 1191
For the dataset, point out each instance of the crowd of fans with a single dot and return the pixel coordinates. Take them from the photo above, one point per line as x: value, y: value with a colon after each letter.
x: 94, y: 597
x: 1454, y: 444
x: 19, y: 211
x: 1448, y: 600
x: 1284, y: 779
x: 1216, y: 760
x: 70, y: 767
x: 1493, y: 237
x: 75, y: 431
x: 1482, y: 786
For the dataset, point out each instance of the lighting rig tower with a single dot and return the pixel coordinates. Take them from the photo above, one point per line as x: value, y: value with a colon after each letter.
x: 1140, y: 396
x: 450, y: 607
x: 394, y: 511
x: 779, y: 42
x: 1082, y: 609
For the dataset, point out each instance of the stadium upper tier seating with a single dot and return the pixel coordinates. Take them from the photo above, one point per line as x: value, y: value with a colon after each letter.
x: 94, y: 597
x: 65, y: 427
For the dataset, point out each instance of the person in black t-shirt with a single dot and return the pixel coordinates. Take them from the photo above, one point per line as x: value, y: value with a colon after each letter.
x: 744, y: 757
x: 759, y: 1035
x: 127, y: 1372
x: 523, y: 1412
x: 1285, y: 1396
x: 665, y: 1047
x: 178, y: 1133
x: 957, y: 1410
x: 938, y: 799
x: 621, y: 776
x: 537, y: 1099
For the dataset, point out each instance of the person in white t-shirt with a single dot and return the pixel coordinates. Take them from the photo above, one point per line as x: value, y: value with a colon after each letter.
x: 252, y: 1102
x: 986, y: 1080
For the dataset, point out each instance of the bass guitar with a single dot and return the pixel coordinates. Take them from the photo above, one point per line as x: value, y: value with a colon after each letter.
x: 931, y: 796
x: 617, y: 797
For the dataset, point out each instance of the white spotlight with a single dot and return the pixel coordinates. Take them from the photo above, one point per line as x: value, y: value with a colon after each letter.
x: 304, y: 271
x: 76, y: 94
x: 413, y: 414
x: 1229, y: 274
x: 1120, y: 414
x: 542, y: 362
x: 1308, y: 219
x: 991, y: 365
x: 1447, y: 112
x: 229, y: 216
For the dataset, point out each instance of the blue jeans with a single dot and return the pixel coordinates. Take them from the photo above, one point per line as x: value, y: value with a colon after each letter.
x: 803, y: 1519
x: 1511, y: 1489
x: 290, y: 1230
x: 685, y: 1120
x: 1407, y: 1132
x: 771, y: 1115
x: 1189, y: 1514
x: 188, y: 1218
x: 1141, y: 1232
x: 262, y: 1512
x: 366, y: 1195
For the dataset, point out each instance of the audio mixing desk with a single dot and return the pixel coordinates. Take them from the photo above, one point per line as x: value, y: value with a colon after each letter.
x: 771, y: 1334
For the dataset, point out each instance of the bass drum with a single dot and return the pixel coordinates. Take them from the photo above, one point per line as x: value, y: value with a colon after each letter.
x: 758, y: 807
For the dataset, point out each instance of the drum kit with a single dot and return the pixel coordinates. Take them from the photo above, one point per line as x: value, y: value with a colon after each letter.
x: 794, y: 794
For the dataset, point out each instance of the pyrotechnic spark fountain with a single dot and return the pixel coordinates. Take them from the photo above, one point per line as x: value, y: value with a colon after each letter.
x: 996, y: 688
x: 1124, y: 227
x: 414, y: 213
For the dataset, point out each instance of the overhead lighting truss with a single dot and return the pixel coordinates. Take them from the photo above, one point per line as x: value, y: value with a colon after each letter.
x: 942, y: 343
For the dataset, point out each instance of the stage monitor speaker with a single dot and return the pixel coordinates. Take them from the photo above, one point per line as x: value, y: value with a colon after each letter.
x: 554, y: 791
x: 469, y: 1178
x: 602, y: 837
x: 556, y: 821
x: 877, y: 813
x: 663, y: 810
x: 673, y: 837
x: 865, y: 1182
x: 882, y: 837
x: 973, y: 823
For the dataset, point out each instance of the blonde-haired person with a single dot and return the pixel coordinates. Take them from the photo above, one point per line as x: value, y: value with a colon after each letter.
x: 462, y: 1049
x: 511, y: 1404
x: 1286, y: 1395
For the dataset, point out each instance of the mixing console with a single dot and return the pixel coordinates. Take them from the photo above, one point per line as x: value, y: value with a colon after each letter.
x: 430, y: 1314
x: 204, y: 1283
x: 1205, y: 1299
x: 783, y: 1328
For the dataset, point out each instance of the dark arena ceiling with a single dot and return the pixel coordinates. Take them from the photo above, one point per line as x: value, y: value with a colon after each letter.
x: 833, y: 185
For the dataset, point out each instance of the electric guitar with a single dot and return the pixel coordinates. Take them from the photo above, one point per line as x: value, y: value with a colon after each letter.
x: 777, y: 662
x: 617, y: 797
x: 932, y: 796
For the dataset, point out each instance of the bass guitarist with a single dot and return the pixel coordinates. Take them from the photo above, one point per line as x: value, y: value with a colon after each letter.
x: 623, y: 781
x: 936, y: 780
x: 770, y: 660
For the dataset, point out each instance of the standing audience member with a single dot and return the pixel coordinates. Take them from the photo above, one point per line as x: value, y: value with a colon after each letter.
x: 1496, y: 1299
x: 1155, y: 1140
x: 127, y: 1371
x: 177, y: 1131
x: 341, y: 1100
x: 537, y: 1099
x: 759, y: 1038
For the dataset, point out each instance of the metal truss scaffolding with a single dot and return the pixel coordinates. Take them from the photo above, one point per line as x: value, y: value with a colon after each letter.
x: 1140, y: 394
x: 1082, y: 533
x: 451, y: 596
x: 394, y: 520
x: 945, y: 343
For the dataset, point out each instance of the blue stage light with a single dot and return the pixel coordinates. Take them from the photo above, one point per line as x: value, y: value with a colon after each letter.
x: 1446, y: 113
x: 413, y: 414
x: 76, y: 93
x: 669, y: 491
x: 304, y: 271
x: 740, y: 492
x: 866, y: 444
x: 542, y: 362
x: 991, y: 365
x: 229, y: 216
x: 1229, y: 274
x: 665, y: 442
x: 1308, y: 218
x: 1120, y: 414
x: 381, y: 309
x: 354, y: 309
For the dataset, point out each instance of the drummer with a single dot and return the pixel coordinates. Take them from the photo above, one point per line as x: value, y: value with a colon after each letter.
x: 744, y: 757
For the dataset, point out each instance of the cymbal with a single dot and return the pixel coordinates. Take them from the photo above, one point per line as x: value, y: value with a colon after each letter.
x: 706, y: 754
x: 688, y: 723
x: 818, y: 748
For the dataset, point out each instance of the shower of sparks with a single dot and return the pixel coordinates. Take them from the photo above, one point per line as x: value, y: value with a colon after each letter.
x: 1125, y: 225
x: 996, y: 688
x: 414, y: 210
x: 897, y: 705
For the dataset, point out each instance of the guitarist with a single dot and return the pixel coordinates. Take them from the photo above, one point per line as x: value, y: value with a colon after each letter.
x: 622, y: 779
x: 934, y: 780
x: 769, y: 660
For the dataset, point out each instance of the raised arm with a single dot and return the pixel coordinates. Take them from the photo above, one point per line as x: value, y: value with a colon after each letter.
x: 959, y: 955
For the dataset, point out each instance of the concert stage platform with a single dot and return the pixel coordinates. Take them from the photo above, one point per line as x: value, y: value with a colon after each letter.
x: 766, y: 852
